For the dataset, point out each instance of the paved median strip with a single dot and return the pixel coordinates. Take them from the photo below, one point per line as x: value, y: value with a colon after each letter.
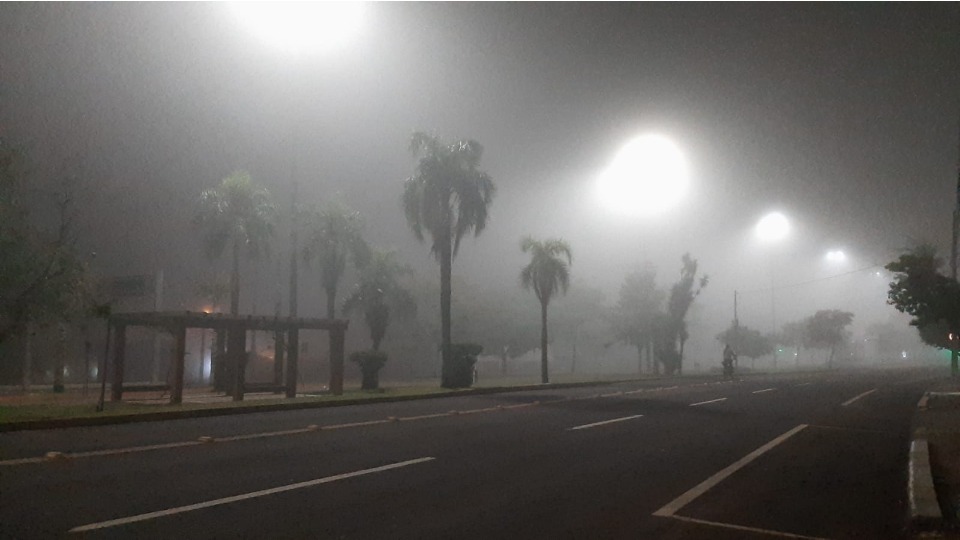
x: 605, y: 422
x: 243, y: 497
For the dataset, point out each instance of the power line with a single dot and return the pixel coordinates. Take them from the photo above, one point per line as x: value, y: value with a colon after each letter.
x: 808, y: 282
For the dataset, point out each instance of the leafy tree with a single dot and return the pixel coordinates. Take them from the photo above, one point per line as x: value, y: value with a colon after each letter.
x: 826, y: 330
x: 682, y: 295
x: 334, y: 233
x: 931, y: 298
x: 547, y: 273
x: 42, y: 279
x: 633, y: 317
x: 746, y: 342
x: 380, y: 293
x: 448, y: 196
x: 240, y: 215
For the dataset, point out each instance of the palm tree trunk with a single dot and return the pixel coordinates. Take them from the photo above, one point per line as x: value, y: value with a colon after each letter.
x: 639, y: 357
x: 544, y: 374
x: 331, y: 302
x: 27, y: 358
x: 446, y: 267
x: 235, y: 279
x: 680, y: 360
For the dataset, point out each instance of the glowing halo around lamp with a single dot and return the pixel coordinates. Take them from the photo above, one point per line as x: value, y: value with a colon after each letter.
x: 301, y: 27
x: 647, y: 177
x: 836, y: 256
x: 774, y: 226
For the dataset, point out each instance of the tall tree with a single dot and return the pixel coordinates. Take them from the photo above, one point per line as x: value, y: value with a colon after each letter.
x: 746, y: 342
x: 547, y: 273
x: 380, y: 294
x: 333, y: 235
x: 826, y: 329
x: 238, y: 214
x: 448, y: 196
x: 633, y: 318
x: 794, y: 334
x: 931, y: 298
x: 682, y: 295
x: 42, y: 279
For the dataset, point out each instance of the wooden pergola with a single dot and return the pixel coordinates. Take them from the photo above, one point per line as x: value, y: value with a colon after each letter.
x: 236, y: 327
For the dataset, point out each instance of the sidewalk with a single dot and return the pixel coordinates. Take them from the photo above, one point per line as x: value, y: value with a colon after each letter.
x: 936, y: 427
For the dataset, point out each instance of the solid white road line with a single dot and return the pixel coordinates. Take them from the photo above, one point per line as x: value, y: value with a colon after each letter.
x: 245, y: 496
x: 851, y: 400
x: 749, y: 529
x: 764, y: 390
x: 705, y: 402
x: 595, y: 424
x: 675, y: 505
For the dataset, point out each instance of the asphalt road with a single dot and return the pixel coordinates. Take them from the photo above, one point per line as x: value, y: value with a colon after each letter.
x: 819, y: 455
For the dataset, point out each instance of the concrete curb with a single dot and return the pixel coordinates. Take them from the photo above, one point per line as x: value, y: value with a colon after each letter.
x: 924, y: 507
x: 59, y: 423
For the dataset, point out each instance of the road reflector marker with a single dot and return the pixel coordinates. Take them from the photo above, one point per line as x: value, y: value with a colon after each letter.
x: 605, y: 422
x: 243, y: 497
x: 711, y: 401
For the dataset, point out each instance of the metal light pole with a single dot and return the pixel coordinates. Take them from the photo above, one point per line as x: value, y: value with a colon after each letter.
x: 954, y: 254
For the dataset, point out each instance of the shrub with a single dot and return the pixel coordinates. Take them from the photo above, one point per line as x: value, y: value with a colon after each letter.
x: 371, y: 362
x: 459, y: 372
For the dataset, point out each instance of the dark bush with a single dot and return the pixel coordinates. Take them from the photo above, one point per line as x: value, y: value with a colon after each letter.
x: 371, y: 362
x: 458, y: 373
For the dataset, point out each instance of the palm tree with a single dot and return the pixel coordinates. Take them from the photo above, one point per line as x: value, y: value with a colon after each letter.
x: 448, y: 196
x: 546, y: 273
x: 334, y: 233
x: 379, y: 293
x: 239, y: 214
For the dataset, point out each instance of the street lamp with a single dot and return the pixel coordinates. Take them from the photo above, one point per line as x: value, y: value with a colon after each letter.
x: 836, y: 256
x: 648, y: 176
x: 301, y: 27
x: 772, y: 228
x: 295, y: 28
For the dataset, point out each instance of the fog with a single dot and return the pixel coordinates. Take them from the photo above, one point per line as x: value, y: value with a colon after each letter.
x: 843, y: 117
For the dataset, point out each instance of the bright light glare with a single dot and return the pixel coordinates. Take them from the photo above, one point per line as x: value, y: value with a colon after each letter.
x: 298, y: 27
x: 648, y: 176
x: 773, y: 227
x: 836, y: 256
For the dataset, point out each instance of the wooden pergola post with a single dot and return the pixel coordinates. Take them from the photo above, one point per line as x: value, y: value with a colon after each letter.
x: 176, y: 392
x: 236, y: 350
x: 119, y: 350
x: 278, y: 355
x: 337, y: 335
x: 293, y: 356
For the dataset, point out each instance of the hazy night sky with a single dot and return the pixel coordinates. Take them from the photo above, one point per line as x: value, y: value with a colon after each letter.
x: 844, y: 117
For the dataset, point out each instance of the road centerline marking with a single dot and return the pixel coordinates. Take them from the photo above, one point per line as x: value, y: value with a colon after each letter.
x: 853, y: 399
x: 675, y: 505
x: 711, y: 401
x: 245, y: 496
x: 762, y: 391
x: 605, y: 422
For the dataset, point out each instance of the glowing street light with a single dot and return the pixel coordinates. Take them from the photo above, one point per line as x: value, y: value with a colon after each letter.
x: 648, y: 176
x: 301, y: 27
x: 836, y: 256
x: 773, y: 227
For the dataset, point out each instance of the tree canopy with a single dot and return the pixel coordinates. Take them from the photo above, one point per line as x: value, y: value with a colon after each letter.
x: 334, y: 233
x: 547, y: 273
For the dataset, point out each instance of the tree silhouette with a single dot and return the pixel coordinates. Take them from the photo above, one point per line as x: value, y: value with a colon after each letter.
x: 633, y: 318
x: 380, y: 294
x: 333, y: 235
x: 682, y: 295
x: 240, y: 215
x: 547, y: 273
x: 931, y: 298
x: 448, y: 196
x: 826, y: 330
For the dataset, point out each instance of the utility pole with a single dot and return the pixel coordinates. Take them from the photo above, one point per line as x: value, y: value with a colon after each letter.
x: 954, y: 254
x: 293, y: 338
x: 736, y: 323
